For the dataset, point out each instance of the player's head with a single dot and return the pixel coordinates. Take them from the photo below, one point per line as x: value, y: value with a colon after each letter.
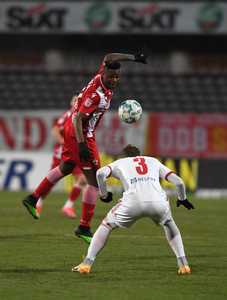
x: 130, y: 151
x: 111, y: 74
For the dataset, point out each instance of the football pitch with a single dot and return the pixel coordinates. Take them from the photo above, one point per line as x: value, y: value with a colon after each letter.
x: 37, y: 255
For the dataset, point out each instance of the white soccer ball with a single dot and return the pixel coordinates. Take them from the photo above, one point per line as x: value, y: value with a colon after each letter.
x: 130, y: 111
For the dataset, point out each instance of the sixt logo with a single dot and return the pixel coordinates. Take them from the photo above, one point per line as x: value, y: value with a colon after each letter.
x: 148, y: 17
x: 36, y: 17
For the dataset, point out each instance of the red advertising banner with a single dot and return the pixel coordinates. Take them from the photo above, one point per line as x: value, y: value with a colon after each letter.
x: 187, y: 135
x: 31, y: 131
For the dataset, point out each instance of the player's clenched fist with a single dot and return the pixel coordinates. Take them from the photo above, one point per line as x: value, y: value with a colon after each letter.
x: 185, y: 203
x: 108, y: 198
x: 140, y: 57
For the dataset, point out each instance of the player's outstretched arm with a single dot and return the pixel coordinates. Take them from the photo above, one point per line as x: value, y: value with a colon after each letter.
x: 181, y: 191
x: 113, y: 57
x: 101, y: 177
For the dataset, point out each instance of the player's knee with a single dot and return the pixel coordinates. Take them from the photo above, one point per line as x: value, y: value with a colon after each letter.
x: 67, y: 167
x: 109, y: 221
x: 172, y: 228
x: 110, y: 225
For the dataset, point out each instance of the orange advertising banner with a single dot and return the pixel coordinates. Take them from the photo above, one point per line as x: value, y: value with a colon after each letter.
x: 187, y: 135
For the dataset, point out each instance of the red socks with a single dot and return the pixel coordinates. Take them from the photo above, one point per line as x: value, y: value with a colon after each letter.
x: 88, y: 205
x: 74, y: 194
x: 43, y: 189
x: 48, y: 182
x: 87, y: 214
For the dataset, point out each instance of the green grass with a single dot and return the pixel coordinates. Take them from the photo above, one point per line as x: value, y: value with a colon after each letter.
x: 37, y: 255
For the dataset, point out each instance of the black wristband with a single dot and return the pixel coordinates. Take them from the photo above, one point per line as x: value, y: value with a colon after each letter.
x: 107, y: 199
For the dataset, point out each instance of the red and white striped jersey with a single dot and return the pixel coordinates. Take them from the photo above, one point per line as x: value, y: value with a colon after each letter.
x: 94, y: 100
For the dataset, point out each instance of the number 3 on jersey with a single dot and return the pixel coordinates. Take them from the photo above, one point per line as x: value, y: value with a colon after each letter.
x: 141, y: 166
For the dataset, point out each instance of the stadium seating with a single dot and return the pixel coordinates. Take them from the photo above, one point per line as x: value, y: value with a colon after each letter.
x: 39, y: 89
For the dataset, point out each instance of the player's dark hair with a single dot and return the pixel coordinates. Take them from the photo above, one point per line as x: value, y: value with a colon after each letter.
x: 113, y: 65
x: 130, y: 151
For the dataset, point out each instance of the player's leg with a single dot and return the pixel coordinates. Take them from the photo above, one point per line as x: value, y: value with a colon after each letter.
x: 46, y: 185
x: 89, y: 198
x: 123, y: 214
x: 98, y: 242
x: 90, y: 193
x: 69, y: 159
x: 174, y: 239
x: 39, y: 205
x: 160, y: 213
x: 80, y: 183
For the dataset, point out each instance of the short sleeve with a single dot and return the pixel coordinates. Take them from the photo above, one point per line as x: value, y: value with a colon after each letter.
x: 164, y: 172
x: 89, y: 103
x: 114, y: 169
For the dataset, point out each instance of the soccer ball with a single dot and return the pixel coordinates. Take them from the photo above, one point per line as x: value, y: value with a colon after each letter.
x: 130, y: 111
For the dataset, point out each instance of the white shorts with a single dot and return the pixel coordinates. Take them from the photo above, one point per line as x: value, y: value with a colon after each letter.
x: 128, y: 210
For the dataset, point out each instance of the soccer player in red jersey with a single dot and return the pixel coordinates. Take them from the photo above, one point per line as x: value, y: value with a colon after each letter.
x: 80, y: 147
x: 80, y: 179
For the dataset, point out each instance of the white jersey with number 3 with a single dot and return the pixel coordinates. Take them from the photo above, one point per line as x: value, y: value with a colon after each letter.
x: 141, y: 175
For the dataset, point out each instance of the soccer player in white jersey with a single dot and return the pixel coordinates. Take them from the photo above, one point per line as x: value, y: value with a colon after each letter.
x: 143, y: 197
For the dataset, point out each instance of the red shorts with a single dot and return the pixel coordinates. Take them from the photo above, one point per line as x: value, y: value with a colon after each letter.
x: 71, y: 152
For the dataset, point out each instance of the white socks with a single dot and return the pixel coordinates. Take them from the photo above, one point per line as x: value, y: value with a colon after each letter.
x: 69, y: 204
x: 97, y: 243
x: 174, y: 239
x: 177, y: 246
x: 40, y: 202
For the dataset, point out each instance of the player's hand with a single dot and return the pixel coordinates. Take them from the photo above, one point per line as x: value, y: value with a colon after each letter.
x: 185, y: 203
x: 140, y: 57
x: 84, y: 152
x: 108, y: 198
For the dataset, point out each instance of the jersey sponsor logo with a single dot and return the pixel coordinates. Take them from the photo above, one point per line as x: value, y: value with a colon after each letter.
x: 88, y: 102
x: 141, y: 179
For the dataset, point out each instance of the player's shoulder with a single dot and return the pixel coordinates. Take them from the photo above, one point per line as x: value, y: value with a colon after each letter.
x: 117, y: 162
x: 151, y: 159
